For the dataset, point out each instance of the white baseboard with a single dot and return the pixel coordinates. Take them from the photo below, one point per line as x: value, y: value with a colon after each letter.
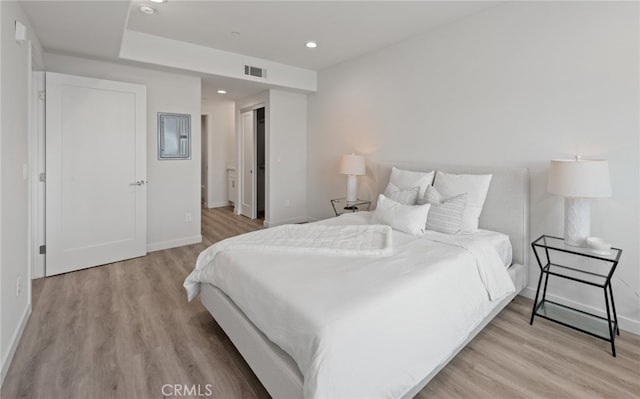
x: 218, y: 204
x: 627, y: 324
x: 158, y: 246
x: 274, y: 223
x: 15, y: 340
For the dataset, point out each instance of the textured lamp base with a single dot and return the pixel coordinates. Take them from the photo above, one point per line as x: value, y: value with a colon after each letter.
x: 577, y: 221
x: 352, y: 188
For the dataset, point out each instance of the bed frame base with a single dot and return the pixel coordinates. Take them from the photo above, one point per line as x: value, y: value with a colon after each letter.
x: 277, y: 371
x: 274, y: 368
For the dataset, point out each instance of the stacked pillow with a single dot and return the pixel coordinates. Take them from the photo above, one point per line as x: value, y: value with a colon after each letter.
x: 476, y: 188
x: 404, y: 179
x: 407, y: 218
x: 407, y: 196
x: 397, y: 206
x: 446, y: 212
x: 454, y: 202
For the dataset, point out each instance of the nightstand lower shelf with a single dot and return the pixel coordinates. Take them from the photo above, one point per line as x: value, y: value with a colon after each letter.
x: 587, y: 323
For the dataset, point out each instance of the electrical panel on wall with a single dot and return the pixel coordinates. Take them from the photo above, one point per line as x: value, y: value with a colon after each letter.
x: 174, y: 136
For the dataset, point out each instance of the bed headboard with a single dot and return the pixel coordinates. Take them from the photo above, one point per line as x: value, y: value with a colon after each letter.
x: 506, y: 209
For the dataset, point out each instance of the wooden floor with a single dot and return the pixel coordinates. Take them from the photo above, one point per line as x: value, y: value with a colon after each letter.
x: 124, y: 330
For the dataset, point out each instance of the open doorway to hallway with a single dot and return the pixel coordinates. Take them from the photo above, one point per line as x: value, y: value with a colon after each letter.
x: 253, y: 163
x: 260, y: 162
x: 204, y: 160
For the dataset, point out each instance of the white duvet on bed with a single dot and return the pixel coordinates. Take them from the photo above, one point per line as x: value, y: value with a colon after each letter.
x: 308, y: 239
x: 363, y: 327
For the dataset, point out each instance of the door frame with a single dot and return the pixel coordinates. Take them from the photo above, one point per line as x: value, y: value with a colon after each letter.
x: 205, y: 138
x: 36, y: 160
x: 239, y: 148
x: 250, y: 211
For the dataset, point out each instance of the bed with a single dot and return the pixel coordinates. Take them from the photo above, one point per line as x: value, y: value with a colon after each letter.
x: 334, y: 375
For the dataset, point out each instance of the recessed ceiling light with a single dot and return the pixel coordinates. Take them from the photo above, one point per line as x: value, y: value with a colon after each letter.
x: 311, y: 44
x: 158, y: 1
x: 147, y: 10
x: 222, y: 91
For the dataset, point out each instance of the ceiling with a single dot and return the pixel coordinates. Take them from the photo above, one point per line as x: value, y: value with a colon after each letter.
x: 272, y: 30
x: 86, y: 28
x: 277, y: 31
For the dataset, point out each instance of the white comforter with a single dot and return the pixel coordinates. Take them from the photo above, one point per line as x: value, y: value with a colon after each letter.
x: 310, y: 239
x: 365, y: 327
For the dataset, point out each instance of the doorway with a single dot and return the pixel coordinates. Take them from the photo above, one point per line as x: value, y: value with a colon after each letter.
x: 253, y: 163
x: 204, y: 160
x: 260, y: 158
x: 37, y: 167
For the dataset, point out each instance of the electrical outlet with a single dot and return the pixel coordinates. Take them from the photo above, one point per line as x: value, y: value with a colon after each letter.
x: 287, y: 202
x: 18, y: 287
x: 187, y: 218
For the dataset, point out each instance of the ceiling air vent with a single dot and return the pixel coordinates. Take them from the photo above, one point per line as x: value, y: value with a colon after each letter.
x: 255, y: 71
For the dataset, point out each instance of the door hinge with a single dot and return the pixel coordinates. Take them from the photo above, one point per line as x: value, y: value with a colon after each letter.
x: 43, y: 95
x: 43, y: 249
x: 43, y: 177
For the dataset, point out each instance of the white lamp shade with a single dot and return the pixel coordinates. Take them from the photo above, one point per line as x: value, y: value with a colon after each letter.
x: 352, y: 165
x: 579, y: 178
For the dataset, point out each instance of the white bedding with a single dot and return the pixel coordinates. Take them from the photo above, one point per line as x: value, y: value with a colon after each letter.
x: 497, y: 240
x: 316, y: 239
x: 364, y: 327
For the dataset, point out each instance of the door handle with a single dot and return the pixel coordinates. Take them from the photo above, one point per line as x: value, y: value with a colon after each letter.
x: 138, y: 183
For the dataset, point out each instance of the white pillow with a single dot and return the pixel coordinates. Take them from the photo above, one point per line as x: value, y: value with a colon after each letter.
x: 408, y: 196
x: 446, y: 213
x: 406, y: 179
x: 410, y: 219
x: 476, y: 187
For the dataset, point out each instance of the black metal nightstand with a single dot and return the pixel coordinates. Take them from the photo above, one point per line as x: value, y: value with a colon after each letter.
x: 341, y: 205
x: 597, y: 274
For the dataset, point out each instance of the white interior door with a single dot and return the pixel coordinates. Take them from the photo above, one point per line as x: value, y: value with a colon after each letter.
x: 96, y: 205
x: 248, y: 187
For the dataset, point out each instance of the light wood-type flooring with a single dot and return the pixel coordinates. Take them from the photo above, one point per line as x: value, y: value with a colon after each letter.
x: 124, y: 330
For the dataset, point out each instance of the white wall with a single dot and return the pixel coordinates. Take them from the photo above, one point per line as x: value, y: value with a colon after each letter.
x: 143, y: 47
x: 518, y: 84
x: 286, y: 154
x: 3, y: 358
x: 174, y: 185
x: 221, y: 149
x: 287, y: 157
x: 15, y: 75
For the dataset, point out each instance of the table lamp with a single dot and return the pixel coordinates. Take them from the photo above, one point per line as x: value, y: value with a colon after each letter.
x: 352, y: 166
x: 578, y: 180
